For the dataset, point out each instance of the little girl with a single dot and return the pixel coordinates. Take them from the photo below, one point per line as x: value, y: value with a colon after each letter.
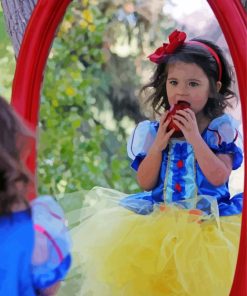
x: 180, y: 236
x: 34, y: 244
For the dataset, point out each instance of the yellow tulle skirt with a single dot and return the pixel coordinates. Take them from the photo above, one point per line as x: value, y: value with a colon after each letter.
x: 171, y: 251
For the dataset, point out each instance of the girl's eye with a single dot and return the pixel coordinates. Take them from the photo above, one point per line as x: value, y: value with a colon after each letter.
x: 193, y: 84
x: 173, y: 82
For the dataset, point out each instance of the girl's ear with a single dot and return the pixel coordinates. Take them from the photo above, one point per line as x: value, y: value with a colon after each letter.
x: 218, y: 86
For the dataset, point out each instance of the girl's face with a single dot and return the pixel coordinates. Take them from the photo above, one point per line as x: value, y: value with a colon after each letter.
x: 187, y: 82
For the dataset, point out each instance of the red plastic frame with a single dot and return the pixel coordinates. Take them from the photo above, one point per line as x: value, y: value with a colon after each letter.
x: 233, y: 20
x: 32, y: 60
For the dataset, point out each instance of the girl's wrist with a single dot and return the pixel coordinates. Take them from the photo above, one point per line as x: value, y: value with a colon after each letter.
x: 197, y: 142
x: 154, y: 150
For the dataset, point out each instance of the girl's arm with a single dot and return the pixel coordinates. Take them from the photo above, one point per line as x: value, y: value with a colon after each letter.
x: 216, y: 168
x: 148, y: 171
x: 51, y: 291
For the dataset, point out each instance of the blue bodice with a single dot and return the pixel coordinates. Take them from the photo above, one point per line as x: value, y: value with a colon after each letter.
x: 181, y: 178
x: 16, y: 245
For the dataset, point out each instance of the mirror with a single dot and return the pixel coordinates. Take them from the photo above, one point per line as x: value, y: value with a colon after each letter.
x: 30, y: 105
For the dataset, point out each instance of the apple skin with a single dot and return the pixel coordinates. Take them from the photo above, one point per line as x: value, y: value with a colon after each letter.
x: 181, y: 105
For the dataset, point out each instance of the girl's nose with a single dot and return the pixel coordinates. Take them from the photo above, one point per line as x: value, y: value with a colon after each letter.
x: 182, y: 89
x: 182, y: 94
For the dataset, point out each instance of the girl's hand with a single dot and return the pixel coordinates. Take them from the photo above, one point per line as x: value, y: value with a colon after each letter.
x: 163, y: 135
x: 186, y: 121
x: 51, y: 291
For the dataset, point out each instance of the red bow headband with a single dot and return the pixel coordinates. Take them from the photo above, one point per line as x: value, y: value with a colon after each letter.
x: 176, y: 40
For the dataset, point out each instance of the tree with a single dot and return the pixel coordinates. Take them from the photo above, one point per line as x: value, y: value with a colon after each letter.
x: 17, y: 14
x: 244, y: 2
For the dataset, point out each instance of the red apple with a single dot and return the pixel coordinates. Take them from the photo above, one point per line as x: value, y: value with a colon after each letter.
x: 181, y: 105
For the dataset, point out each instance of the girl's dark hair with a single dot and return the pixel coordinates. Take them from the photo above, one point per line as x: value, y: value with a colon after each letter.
x: 15, y: 139
x: 191, y: 53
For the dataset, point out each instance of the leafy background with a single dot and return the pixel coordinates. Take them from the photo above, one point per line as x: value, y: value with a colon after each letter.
x: 89, y: 102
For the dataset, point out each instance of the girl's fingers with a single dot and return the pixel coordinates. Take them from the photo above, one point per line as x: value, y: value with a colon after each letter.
x: 182, y: 113
x: 191, y: 113
x: 163, y: 117
x: 166, y: 123
x: 181, y: 119
x: 178, y: 124
x: 169, y: 134
x: 188, y: 113
x: 188, y: 110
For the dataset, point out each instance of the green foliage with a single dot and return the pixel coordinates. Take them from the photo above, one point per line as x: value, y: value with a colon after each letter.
x: 94, y: 60
x: 81, y: 145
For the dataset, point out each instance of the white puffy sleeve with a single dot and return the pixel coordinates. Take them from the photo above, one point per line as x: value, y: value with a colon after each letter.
x: 223, y: 136
x: 51, y: 258
x: 140, y: 141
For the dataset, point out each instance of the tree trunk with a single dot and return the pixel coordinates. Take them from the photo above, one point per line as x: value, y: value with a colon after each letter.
x: 244, y: 2
x: 17, y: 14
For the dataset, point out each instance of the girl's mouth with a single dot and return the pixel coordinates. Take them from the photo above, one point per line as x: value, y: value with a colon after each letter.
x: 183, y: 103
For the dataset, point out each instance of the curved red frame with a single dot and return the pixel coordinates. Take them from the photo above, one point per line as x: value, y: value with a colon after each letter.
x: 32, y: 59
x: 31, y: 62
x: 236, y: 36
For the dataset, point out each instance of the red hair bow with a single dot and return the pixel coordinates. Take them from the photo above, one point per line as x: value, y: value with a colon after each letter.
x: 176, y: 39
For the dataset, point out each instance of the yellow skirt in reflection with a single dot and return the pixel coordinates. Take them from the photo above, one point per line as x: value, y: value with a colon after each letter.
x: 168, y: 252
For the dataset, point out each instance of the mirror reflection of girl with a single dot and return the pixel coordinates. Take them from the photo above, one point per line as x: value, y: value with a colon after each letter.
x: 180, y: 236
x: 34, y: 244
